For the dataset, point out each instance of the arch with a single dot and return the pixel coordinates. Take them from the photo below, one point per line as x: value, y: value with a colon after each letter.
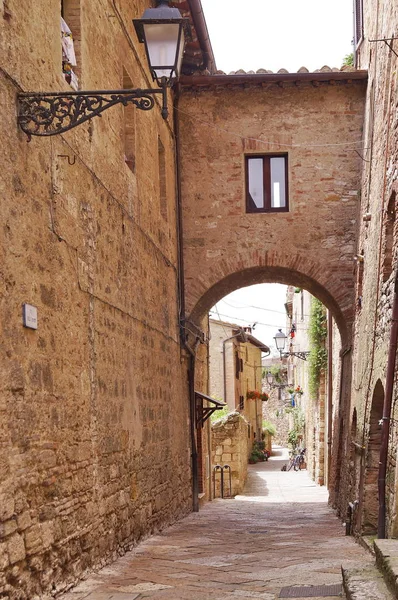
x: 371, y: 497
x: 319, y: 280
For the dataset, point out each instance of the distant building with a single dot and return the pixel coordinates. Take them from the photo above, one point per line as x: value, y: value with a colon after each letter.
x: 235, y: 370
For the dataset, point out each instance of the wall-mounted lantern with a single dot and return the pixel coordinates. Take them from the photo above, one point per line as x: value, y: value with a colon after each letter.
x: 162, y: 30
x: 280, y: 341
x: 270, y: 380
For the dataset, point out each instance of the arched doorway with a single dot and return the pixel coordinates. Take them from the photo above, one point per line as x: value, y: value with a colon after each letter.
x: 371, y: 497
x: 342, y: 314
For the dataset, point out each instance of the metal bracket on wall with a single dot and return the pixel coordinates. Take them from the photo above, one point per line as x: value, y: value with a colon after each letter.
x: 46, y: 114
x: 386, y: 41
x: 204, y: 412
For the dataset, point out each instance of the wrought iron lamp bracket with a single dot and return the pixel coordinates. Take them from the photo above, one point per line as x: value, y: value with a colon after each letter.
x: 47, y: 114
x: 302, y: 355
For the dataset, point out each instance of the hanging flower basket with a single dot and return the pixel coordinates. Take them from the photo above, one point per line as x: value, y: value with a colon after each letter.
x: 256, y: 395
x: 299, y: 390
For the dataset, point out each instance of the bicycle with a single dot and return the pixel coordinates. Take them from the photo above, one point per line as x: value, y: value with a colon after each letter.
x: 296, y: 462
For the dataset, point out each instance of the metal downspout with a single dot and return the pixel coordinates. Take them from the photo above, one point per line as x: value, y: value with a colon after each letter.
x: 199, y: 22
x: 181, y: 300
x: 385, y: 432
x: 194, y: 450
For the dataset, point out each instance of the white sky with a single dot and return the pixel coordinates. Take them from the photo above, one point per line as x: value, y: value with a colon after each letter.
x: 275, y: 34
x: 262, y: 303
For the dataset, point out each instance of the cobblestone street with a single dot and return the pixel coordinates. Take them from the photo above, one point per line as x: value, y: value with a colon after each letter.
x: 279, y: 534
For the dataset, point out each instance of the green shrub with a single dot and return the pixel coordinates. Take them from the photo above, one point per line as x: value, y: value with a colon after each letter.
x: 269, y: 428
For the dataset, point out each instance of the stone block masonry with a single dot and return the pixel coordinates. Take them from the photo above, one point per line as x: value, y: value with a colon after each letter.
x: 312, y: 245
x: 93, y: 404
x: 230, y: 446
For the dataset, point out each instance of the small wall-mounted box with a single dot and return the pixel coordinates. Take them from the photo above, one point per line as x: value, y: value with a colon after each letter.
x: 29, y: 316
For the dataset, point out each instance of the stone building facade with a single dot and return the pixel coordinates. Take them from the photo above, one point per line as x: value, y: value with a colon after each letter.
x: 235, y: 368
x: 376, y: 277
x: 311, y: 120
x: 94, y: 403
x: 98, y: 424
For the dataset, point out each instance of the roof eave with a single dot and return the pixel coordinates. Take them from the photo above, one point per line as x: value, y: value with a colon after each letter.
x: 264, y: 78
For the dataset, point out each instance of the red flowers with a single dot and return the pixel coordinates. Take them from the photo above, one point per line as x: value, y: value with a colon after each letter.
x: 256, y: 395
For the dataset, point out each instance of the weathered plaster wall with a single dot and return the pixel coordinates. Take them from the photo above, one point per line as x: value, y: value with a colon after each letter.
x: 94, y: 404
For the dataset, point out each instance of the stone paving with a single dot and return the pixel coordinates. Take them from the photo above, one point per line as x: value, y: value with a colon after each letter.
x: 280, y: 533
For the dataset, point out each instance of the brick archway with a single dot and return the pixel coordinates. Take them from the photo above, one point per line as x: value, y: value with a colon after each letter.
x: 233, y: 273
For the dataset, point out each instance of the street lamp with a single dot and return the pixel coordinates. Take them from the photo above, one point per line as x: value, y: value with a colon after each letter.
x: 280, y: 341
x: 270, y: 380
x: 162, y: 30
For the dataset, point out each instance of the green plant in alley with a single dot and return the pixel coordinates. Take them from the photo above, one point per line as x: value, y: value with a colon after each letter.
x: 269, y: 428
x: 348, y: 60
x: 317, y: 333
x: 295, y: 434
x: 277, y: 372
x: 219, y: 414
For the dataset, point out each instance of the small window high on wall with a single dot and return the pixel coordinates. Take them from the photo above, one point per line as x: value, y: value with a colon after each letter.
x: 70, y: 40
x: 129, y: 126
x: 266, y: 183
x: 358, y: 21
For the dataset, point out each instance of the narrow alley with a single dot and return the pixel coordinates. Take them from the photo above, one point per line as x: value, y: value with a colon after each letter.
x: 280, y: 534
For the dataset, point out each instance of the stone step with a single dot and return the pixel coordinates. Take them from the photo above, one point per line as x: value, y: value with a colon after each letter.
x: 387, y: 560
x: 366, y: 583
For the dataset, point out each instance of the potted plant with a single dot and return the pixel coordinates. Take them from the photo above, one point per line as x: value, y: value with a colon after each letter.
x: 252, y: 395
x: 253, y: 458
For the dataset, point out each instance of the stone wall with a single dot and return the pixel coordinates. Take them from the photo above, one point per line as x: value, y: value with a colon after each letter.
x: 94, y: 403
x: 313, y: 244
x: 274, y: 411
x: 230, y: 446
x: 375, y: 273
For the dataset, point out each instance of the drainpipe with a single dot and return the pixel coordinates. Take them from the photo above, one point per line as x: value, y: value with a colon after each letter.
x: 385, y: 432
x: 199, y: 22
x: 181, y: 301
x: 192, y: 426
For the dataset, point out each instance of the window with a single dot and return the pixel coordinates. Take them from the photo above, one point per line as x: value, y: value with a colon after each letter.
x: 162, y: 179
x: 358, y: 21
x: 237, y: 366
x: 70, y: 39
x: 266, y: 183
x: 388, y: 238
x: 129, y: 126
x: 242, y: 404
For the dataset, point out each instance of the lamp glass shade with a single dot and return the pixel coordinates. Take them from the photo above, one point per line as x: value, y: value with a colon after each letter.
x: 164, y: 44
x: 270, y: 378
x: 280, y: 340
